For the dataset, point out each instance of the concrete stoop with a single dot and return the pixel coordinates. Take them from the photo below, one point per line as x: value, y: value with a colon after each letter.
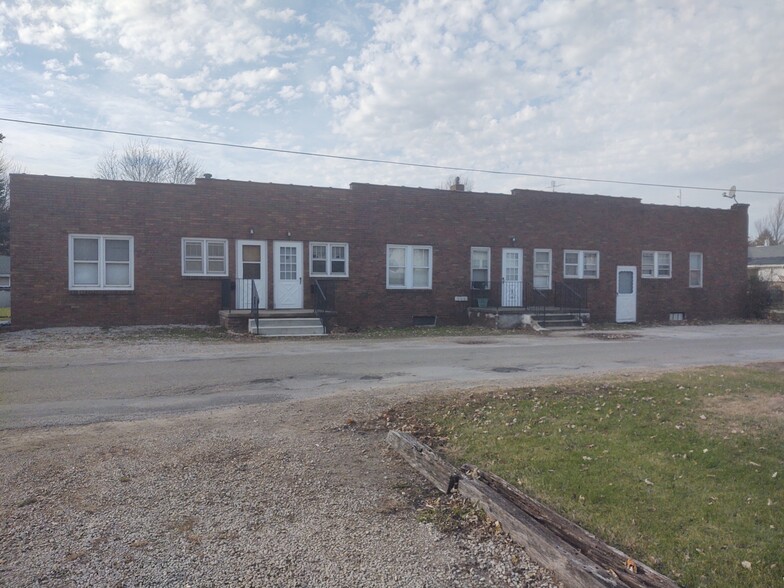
x: 557, y: 322
x: 287, y: 327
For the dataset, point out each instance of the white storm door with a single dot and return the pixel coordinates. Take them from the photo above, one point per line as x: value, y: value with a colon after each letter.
x: 288, y: 288
x: 251, y: 270
x: 626, y: 294
x: 512, y: 277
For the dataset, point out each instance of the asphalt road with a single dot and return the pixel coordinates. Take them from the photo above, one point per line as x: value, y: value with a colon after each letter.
x: 90, y: 385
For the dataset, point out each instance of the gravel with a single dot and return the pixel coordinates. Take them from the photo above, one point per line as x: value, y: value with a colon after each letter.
x: 274, y: 495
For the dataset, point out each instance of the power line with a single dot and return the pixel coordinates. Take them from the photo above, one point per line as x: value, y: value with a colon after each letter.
x: 372, y: 160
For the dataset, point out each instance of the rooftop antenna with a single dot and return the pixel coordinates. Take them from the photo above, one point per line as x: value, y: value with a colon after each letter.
x: 731, y: 194
x: 680, y: 198
x: 553, y: 185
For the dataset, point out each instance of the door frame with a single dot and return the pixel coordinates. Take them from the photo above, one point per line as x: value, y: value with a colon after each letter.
x: 242, y: 299
x: 618, y: 317
x: 519, y: 296
x: 298, y: 303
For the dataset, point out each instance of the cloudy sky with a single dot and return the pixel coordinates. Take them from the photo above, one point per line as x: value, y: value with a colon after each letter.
x: 687, y: 93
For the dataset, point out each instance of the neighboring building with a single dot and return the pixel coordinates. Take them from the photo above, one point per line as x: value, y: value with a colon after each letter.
x: 767, y: 263
x: 99, y: 252
x: 5, y: 286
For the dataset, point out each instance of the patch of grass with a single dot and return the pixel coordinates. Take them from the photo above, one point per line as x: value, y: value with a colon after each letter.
x: 176, y: 333
x: 684, y: 471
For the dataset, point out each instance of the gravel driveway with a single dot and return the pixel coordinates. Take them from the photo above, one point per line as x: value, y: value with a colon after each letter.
x: 283, y: 494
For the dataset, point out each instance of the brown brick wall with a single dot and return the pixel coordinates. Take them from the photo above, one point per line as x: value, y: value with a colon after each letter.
x: 45, y: 210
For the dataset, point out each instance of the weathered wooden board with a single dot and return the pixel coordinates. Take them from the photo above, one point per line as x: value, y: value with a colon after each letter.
x: 423, y: 459
x: 598, y: 551
x: 546, y: 548
x: 577, y: 557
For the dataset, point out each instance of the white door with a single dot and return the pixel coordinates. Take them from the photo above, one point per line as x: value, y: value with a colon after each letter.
x: 288, y: 274
x: 512, y: 277
x: 626, y: 294
x: 251, y: 270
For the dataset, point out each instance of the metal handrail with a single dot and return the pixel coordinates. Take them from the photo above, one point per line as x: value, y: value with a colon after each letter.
x: 324, y: 301
x: 559, y: 297
x: 254, y: 304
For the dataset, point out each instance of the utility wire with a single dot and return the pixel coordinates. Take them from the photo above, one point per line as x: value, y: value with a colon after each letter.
x: 371, y: 160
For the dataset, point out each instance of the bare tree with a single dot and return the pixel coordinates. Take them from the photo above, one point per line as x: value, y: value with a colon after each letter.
x: 770, y: 228
x: 139, y: 161
x: 6, y: 167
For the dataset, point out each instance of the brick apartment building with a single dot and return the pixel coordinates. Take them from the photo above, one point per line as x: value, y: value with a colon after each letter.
x: 98, y: 252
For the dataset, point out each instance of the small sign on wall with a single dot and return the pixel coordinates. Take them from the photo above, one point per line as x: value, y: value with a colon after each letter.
x: 461, y: 298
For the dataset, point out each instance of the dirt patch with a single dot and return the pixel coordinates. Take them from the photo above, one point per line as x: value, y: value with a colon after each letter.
x: 750, y: 411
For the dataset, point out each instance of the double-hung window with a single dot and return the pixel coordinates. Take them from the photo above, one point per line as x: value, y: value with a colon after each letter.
x: 100, y: 262
x: 581, y: 264
x: 656, y: 264
x: 543, y: 269
x: 695, y: 270
x: 205, y: 257
x: 329, y: 259
x: 480, y: 268
x: 410, y: 267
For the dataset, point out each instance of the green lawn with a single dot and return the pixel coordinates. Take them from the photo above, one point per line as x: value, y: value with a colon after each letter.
x: 684, y: 471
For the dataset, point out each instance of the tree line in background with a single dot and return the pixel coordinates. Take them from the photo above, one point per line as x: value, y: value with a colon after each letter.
x: 139, y: 161
x: 770, y: 228
x: 5, y: 204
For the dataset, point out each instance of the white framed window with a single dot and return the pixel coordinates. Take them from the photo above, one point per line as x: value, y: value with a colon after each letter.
x: 100, y: 262
x: 656, y: 264
x: 5, y: 281
x: 205, y: 257
x: 480, y: 268
x: 695, y: 270
x: 329, y: 259
x: 581, y: 264
x: 543, y: 269
x: 410, y: 267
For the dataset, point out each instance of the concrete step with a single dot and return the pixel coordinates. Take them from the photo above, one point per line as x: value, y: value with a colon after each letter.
x: 572, y: 322
x: 559, y: 321
x: 287, y: 327
x: 555, y: 316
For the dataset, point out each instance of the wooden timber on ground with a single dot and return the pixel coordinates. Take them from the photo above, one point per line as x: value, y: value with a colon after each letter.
x: 574, y: 555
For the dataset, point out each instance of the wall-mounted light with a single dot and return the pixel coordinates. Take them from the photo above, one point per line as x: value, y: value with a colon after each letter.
x: 513, y: 240
x: 288, y: 233
x: 251, y: 231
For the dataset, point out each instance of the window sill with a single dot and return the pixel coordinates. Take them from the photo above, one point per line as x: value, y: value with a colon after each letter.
x: 88, y: 291
x: 328, y: 277
x: 204, y: 276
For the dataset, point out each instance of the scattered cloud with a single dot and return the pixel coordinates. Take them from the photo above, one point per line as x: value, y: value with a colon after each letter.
x: 645, y: 91
x: 290, y: 93
x: 332, y: 33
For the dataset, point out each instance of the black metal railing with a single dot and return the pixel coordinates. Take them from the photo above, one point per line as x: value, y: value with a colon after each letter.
x: 560, y: 297
x: 323, y: 294
x: 254, y: 304
x: 237, y: 294
x: 244, y: 290
x: 495, y: 294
